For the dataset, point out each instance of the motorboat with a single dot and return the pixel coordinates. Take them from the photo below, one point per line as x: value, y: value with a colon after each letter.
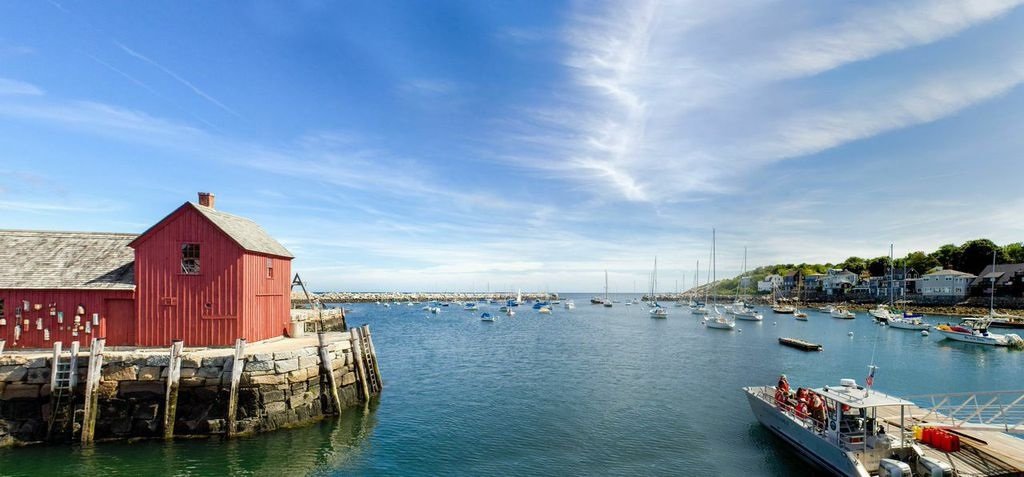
x: 470, y: 306
x: 569, y: 305
x: 504, y: 309
x: 842, y: 313
x: 435, y: 310
x: 908, y: 323
x: 799, y: 315
x: 976, y: 331
x: 486, y: 317
x: 700, y: 310
x: 544, y: 310
x: 845, y: 434
x: 881, y: 313
x: 825, y: 309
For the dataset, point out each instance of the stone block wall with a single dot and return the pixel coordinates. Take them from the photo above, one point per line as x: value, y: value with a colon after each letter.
x: 277, y: 389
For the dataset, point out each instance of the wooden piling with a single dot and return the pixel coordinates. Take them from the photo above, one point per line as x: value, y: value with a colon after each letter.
x: 171, y: 398
x: 236, y: 375
x: 357, y: 355
x: 92, y: 381
x: 57, y: 348
x: 327, y: 365
x: 373, y: 357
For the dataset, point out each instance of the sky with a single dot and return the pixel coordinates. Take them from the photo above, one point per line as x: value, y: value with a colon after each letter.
x: 458, y: 145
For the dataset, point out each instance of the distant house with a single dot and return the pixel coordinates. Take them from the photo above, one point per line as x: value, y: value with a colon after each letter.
x: 812, y: 282
x: 769, y: 283
x: 1008, y: 278
x: 837, y: 281
x: 945, y: 283
x: 792, y: 280
x: 880, y: 286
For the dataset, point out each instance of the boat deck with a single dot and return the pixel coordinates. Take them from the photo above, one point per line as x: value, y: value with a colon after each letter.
x: 982, y: 452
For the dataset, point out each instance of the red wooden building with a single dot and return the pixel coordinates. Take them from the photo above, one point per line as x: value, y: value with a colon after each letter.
x: 199, y: 275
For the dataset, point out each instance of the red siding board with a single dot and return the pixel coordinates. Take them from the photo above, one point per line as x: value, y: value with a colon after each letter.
x: 67, y: 301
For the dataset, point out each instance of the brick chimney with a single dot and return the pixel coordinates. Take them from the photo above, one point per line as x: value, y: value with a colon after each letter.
x: 206, y: 199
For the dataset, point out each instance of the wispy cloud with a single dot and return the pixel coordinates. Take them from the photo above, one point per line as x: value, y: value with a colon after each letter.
x: 654, y: 117
x: 16, y: 50
x: 14, y: 87
x: 195, y: 89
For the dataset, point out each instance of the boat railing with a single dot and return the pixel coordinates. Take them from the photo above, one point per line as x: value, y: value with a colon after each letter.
x: 1003, y: 410
x: 767, y: 394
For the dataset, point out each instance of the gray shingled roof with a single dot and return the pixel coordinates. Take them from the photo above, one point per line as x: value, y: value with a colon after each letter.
x: 248, y: 234
x: 35, y: 259
x: 1004, y: 273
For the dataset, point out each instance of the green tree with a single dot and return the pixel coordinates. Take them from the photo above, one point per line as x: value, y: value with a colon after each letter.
x: 921, y: 262
x: 948, y: 256
x: 878, y: 266
x: 1014, y: 252
x: 976, y: 254
x: 854, y: 264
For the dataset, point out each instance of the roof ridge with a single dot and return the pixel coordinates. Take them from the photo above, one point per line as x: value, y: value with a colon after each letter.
x: 75, y: 232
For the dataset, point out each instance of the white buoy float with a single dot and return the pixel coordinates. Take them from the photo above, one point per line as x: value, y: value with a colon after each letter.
x: 924, y: 332
x: 775, y: 323
x: 739, y: 330
x: 850, y: 334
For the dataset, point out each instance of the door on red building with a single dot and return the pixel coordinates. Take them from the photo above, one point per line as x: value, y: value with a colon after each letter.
x: 120, y: 322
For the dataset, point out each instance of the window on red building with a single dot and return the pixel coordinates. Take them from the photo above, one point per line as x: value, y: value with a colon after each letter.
x: 270, y: 268
x: 190, y: 258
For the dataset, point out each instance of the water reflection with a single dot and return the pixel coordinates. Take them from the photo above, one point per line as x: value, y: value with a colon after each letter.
x: 335, y: 443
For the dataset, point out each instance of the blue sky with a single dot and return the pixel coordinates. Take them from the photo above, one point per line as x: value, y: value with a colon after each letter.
x: 449, y: 145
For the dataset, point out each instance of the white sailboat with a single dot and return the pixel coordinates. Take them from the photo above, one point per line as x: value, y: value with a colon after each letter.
x: 716, y: 319
x: 740, y: 310
x: 607, y: 303
x: 657, y: 311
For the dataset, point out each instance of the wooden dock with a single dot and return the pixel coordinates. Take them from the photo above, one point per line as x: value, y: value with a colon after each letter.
x: 800, y: 344
x: 986, y: 453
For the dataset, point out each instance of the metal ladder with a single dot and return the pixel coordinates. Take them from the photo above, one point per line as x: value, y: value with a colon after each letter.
x: 370, y: 361
x: 989, y: 410
x: 63, y: 379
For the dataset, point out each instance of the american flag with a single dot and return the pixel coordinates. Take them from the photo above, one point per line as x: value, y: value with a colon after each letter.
x: 871, y: 375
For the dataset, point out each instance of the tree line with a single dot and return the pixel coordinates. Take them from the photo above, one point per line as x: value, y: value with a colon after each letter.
x: 970, y: 257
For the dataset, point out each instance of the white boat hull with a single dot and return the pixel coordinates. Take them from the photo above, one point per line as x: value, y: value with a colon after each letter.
x: 908, y: 325
x: 720, y: 324
x: 811, y: 447
x: 990, y: 340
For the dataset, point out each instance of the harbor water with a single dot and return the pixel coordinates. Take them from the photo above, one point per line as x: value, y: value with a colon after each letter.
x: 590, y: 391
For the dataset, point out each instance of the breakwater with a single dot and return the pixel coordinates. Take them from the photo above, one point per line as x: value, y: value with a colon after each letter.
x: 299, y: 299
x: 181, y: 392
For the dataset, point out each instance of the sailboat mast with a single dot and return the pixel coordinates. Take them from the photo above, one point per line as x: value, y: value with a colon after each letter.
x: 892, y: 269
x: 714, y: 266
x: 992, y: 290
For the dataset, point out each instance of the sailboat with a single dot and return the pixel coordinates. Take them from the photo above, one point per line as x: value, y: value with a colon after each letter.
x: 740, y: 310
x: 607, y: 303
x: 716, y: 319
x: 657, y: 311
x: 779, y: 307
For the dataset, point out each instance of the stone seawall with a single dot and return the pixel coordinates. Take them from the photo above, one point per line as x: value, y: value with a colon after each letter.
x: 282, y: 384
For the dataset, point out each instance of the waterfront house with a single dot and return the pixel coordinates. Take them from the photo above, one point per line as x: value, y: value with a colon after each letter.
x: 838, y: 281
x: 791, y: 281
x: 1008, y: 278
x: 945, y: 283
x: 769, y: 283
x: 198, y: 275
x: 812, y: 282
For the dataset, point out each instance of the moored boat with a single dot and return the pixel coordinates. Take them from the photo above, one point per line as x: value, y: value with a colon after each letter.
x: 909, y: 324
x: 569, y: 305
x: 976, y: 331
x: 838, y: 430
x: 842, y: 313
x: 486, y: 317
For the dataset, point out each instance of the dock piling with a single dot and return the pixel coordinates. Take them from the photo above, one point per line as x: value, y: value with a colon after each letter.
x: 236, y: 375
x: 171, y: 399
x: 360, y: 364
x: 327, y: 366
x: 92, y: 381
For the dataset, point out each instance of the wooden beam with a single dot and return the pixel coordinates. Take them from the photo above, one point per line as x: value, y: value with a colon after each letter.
x: 92, y: 381
x: 327, y: 366
x: 73, y: 377
x: 357, y: 354
x: 171, y: 398
x: 236, y: 374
